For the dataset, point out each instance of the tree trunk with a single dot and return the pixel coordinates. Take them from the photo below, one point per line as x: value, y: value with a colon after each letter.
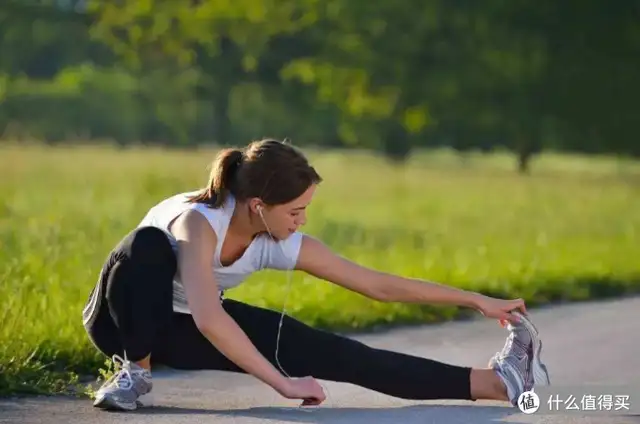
x: 221, y: 121
x: 526, y: 149
x: 524, y: 158
x: 396, y: 144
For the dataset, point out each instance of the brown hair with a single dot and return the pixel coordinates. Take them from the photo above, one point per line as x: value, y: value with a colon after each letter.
x: 272, y: 170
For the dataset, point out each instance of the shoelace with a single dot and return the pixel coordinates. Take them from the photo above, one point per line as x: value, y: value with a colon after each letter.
x: 123, y: 378
x: 507, y: 346
x: 513, y: 348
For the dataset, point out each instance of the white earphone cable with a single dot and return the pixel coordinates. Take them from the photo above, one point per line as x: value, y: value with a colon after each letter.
x: 282, y: 315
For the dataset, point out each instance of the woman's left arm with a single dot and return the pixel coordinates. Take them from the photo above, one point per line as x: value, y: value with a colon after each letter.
x: 318, y: 260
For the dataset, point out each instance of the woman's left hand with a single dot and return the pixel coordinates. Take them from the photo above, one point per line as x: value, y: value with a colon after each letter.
x: 500, y: 308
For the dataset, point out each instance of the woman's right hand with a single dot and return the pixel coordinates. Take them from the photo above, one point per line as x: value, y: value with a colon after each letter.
x: 305, y: 388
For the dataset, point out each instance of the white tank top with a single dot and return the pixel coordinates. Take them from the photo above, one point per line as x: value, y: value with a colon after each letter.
x: 262, y: 253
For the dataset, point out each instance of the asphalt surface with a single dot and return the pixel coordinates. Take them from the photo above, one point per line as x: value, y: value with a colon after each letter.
x: 594, y: 342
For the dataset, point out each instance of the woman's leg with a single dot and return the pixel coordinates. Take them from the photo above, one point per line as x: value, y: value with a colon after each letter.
x: 305, y: 351
x: 139, y: 291
x: 130, y: 305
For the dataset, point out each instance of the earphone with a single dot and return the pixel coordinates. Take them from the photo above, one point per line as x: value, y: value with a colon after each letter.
x: 282, y: 315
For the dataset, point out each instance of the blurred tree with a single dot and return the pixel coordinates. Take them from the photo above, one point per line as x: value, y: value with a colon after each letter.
x: 525, y: 76
x: 223, y: 39
x: 38, y: 38
x: 592, y: 84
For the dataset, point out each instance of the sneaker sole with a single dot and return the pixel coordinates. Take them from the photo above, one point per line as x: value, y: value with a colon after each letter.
x: 540, y: 373
x: 107, y: 403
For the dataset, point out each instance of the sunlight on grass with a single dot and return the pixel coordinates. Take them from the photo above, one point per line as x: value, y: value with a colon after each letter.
x: 571, y: 230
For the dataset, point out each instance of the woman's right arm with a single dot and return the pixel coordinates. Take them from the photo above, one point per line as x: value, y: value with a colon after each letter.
x: 196, y: 246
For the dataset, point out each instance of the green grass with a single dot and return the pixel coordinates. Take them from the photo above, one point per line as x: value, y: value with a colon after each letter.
x: 569, y: 231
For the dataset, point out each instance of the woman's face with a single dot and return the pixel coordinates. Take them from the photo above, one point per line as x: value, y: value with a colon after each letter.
x: 285, y: 219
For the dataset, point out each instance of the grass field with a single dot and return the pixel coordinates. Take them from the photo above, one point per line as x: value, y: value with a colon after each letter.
x: 569, y: 231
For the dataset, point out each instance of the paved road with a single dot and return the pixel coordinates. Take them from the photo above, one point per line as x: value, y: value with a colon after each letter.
x: 589, y: 342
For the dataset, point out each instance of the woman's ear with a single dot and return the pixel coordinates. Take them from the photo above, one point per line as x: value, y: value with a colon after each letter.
x: 256, y: 205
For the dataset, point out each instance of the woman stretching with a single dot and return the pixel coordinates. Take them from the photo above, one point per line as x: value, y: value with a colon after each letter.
x: 160, y: 298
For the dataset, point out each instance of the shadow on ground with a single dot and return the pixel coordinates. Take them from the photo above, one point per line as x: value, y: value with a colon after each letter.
x: 69, y: 412
x: 23, y: 412
x: 452, y: 414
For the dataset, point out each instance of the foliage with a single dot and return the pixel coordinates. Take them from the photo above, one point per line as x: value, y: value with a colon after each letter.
x: 567, y: 232
x: 526, y: 76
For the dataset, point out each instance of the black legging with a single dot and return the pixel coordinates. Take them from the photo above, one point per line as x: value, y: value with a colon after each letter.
x: 133, y: 313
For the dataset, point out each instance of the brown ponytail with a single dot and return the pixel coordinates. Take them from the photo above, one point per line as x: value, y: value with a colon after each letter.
x: 272, y: 170
x: 222, y: 179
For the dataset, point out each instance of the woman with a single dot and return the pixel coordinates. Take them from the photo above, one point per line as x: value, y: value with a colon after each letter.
x: 160, y: 297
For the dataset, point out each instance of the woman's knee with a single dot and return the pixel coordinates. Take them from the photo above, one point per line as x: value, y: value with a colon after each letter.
x: 145, y: 260
x: 151, y: 246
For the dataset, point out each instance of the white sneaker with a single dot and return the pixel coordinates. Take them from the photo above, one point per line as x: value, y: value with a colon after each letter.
x: 122, y: 390
x: 518, y: 364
